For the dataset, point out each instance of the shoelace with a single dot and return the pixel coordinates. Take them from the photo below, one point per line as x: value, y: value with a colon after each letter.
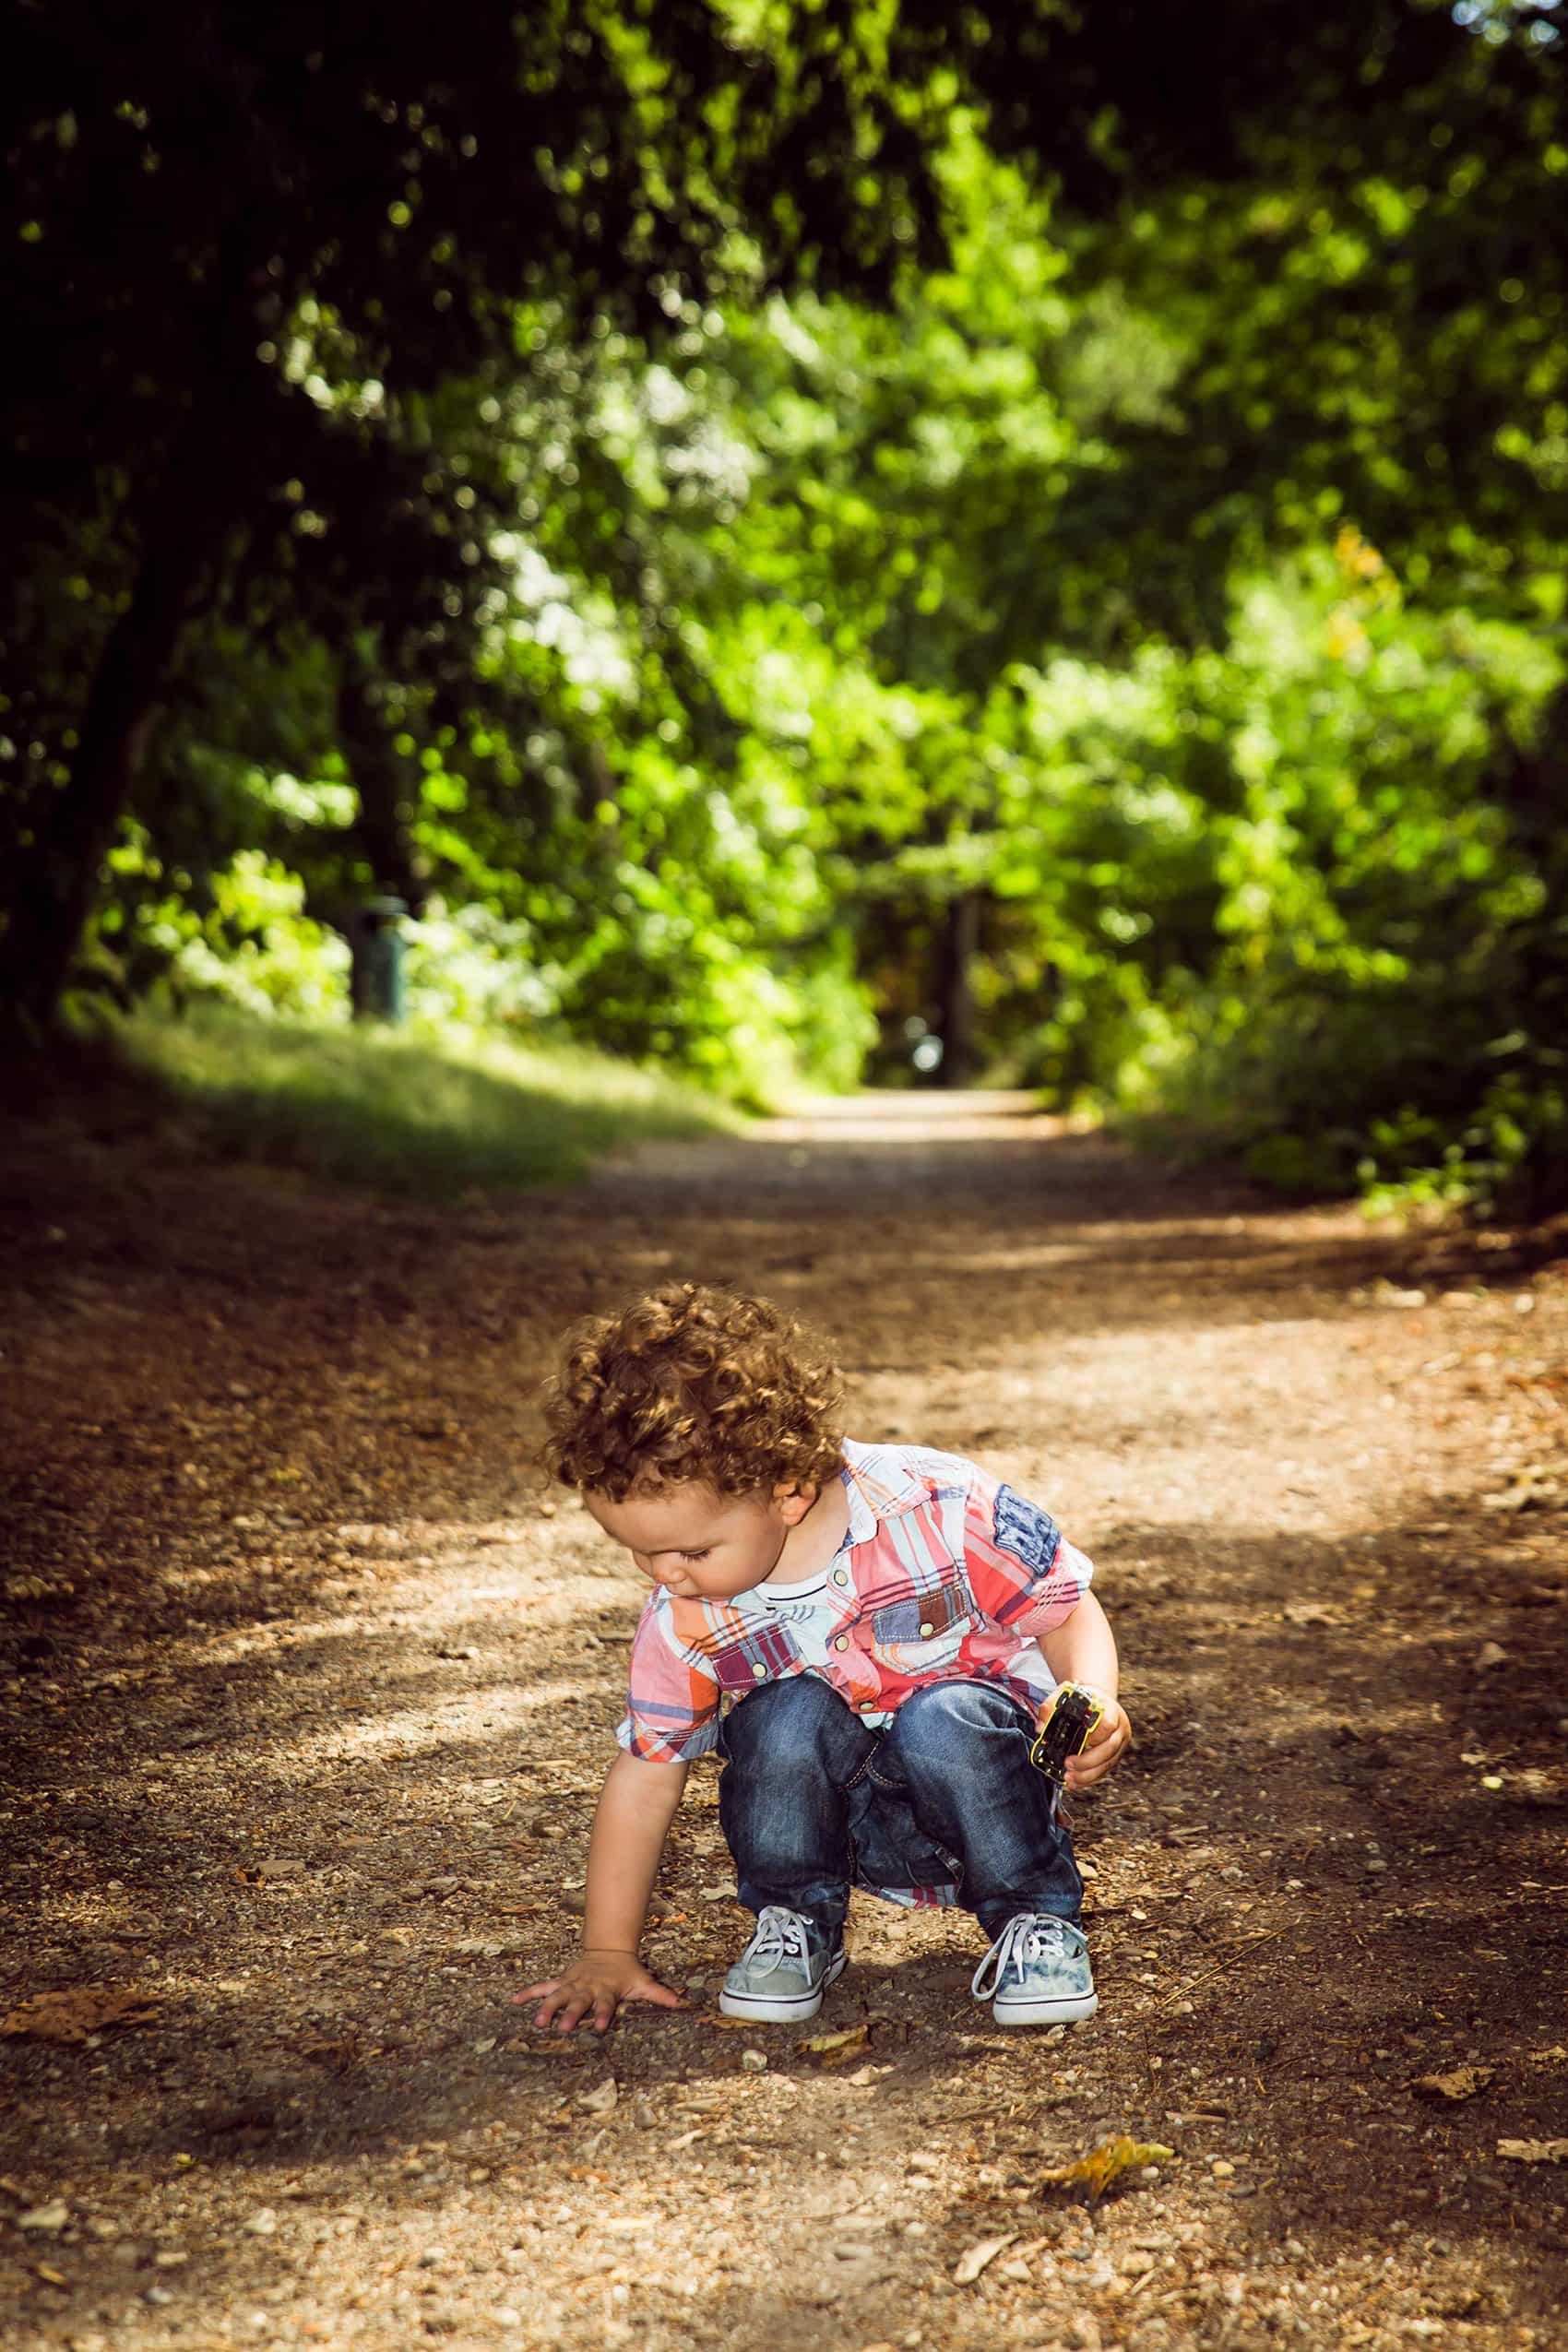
x: 1028, y: 1936
x: 780, y: 1935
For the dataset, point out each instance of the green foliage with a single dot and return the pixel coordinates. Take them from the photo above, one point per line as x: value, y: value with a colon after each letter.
x: 1295, y: 915
x: 250, y: 944
x: 425, y: 1113
x: 1044, y: 528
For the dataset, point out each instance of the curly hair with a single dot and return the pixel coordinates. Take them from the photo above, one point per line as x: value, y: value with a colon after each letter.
x: 689, y: 1383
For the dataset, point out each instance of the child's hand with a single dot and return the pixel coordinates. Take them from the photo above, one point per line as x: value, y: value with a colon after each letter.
x: 1111, y: 1741
x: 595, y: 1986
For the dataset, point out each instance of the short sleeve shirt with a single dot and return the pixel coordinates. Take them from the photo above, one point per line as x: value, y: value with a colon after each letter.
x: 945, y: 1575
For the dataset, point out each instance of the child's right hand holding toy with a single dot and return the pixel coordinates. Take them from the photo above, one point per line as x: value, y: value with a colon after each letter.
x: 1105, y: 1748
x: 1080, y: 1736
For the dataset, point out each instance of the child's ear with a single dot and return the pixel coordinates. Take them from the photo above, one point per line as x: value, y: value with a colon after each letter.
x: 792, y: 1502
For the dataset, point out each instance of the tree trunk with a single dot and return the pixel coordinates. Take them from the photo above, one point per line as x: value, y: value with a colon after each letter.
x: 957, y: 950
x: 55, y: 883
x: 384, y: 783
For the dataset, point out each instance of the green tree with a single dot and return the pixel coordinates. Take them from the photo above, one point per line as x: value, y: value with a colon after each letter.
x: 253, y: 258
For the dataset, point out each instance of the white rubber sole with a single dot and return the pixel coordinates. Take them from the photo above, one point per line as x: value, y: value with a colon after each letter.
x: 783, y: 2013
x: 1045, y: 2012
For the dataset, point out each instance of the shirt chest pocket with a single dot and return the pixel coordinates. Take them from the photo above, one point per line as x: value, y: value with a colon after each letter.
x: 758, y: 1657
x: 925, y: 1616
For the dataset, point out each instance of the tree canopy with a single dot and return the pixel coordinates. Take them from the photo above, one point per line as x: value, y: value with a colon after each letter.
x: 780, y: 528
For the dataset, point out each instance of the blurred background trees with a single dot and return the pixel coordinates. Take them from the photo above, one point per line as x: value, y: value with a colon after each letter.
x: 786, y: 533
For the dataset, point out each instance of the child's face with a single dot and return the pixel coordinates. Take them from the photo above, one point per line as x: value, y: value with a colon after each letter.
x: 700, y: 1545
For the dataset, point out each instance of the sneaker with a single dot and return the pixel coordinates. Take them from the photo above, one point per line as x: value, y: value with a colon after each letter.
x: 783, y: 1972
x: 1037, y: 1973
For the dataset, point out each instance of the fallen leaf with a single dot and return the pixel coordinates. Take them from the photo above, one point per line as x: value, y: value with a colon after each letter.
x: 977, y: 2258
x: 88, y: 2009
x: 832, y: 2049
x: 1462, y: 2084
x: 1535, y: 2151
x: 1106, y: 2163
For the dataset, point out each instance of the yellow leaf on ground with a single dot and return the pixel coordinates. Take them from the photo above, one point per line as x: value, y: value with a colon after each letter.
x: 1535, y: 2151
x: 85, y: 2009
x: 1107, y: 2163
x: 832, y: 2049
x: 1462, y: 2083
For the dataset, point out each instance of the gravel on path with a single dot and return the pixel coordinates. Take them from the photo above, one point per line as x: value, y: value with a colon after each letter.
x: 309, y: 1680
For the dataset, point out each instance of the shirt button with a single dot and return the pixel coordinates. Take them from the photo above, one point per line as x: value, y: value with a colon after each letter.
x: 840, y: 1575
x: 868, y: 1706
x: 926, y: 1631
x: 842, y: 1643
x: 760, y: 1672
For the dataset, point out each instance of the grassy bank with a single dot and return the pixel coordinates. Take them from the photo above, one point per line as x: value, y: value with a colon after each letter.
x: 426, y: 1114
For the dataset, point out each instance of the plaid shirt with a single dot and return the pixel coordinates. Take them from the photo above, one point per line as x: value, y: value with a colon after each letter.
x: 944, y: 1575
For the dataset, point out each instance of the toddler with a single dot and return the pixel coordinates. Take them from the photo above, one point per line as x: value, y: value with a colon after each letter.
x: 865, y: 1635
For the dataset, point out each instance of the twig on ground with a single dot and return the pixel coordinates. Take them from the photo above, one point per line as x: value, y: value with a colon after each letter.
x: 1270, y: 1935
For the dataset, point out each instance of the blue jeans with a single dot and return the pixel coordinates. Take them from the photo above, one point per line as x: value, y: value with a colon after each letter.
x: 810, y: 1799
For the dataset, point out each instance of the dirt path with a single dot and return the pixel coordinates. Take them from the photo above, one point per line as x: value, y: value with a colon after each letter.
x: 311, y: 1683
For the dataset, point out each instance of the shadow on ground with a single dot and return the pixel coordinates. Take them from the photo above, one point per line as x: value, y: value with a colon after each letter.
x: 306, y: 1751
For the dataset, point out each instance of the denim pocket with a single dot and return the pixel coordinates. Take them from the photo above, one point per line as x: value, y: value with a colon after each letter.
x: 926, y: 1616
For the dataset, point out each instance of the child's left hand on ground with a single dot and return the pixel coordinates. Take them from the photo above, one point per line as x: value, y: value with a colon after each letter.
x: 1113, y: 1738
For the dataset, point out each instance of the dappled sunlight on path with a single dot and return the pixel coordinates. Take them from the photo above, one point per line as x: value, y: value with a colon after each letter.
x: 317, y: 1679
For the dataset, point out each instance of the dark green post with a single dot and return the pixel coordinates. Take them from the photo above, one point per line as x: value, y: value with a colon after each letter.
x: 375, y: 960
